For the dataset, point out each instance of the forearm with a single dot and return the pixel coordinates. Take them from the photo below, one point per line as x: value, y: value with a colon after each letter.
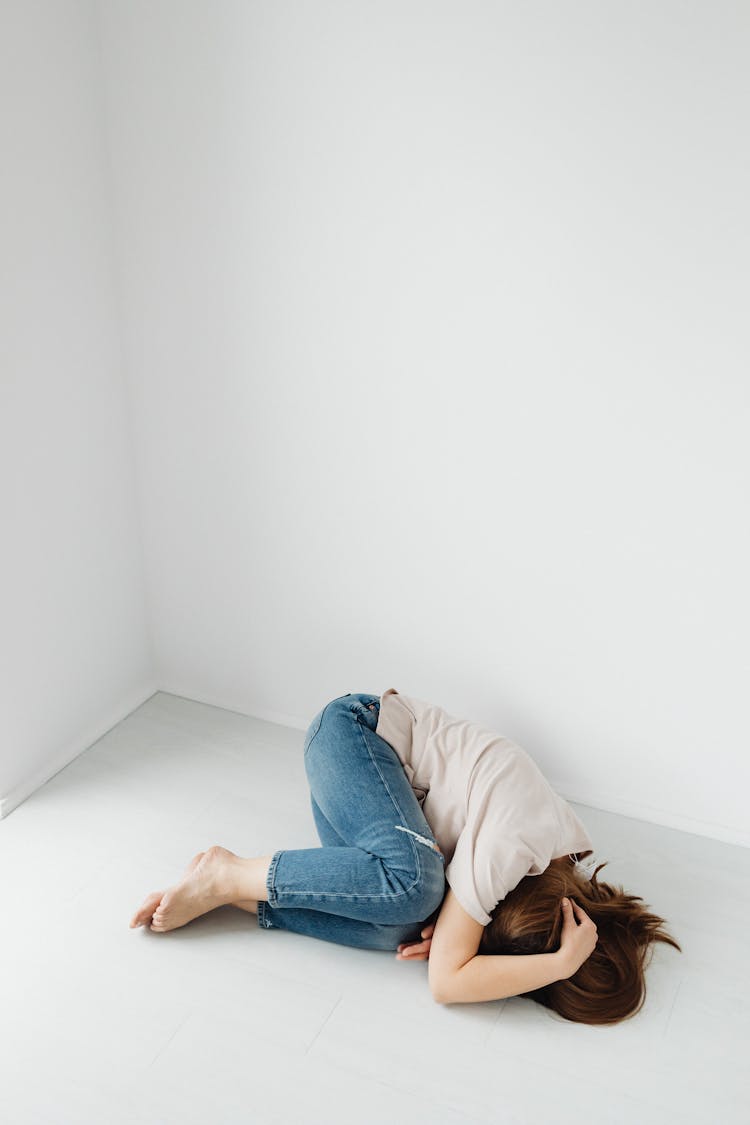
x: 495, y: 976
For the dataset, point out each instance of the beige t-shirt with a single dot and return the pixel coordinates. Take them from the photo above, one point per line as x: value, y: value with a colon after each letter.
x: 491, y: 810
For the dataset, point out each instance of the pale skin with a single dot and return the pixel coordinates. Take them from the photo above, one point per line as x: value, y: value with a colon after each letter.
x: 457, y: 974
x: 577, y: 942
x: 218, y: 877
x: 213, y: 878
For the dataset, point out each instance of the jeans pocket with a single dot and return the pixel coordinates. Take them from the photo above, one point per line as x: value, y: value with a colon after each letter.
x: 366, y: 708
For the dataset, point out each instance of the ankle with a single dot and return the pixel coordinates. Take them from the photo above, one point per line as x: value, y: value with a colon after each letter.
x: 252, y: 874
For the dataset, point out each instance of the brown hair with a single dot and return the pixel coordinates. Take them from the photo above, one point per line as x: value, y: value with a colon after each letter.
x: 610, y: 985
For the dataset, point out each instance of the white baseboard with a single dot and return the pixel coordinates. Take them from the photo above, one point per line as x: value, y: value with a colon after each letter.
x: 240, y: 708
x: 604, y: 802
x: 17, y: 796
x: 654, y: 815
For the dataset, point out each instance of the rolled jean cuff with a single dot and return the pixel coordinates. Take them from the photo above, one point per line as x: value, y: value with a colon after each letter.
x: 264, y: 921
x: 273, y: 897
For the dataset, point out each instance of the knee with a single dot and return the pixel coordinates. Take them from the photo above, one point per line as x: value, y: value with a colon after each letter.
x: 332, y: 712
x: 426, y: 894
x: 390, y: 937
x: 311, y: 732
x: 337, y: 708
x: 340, y: 714
x: 432, y: 887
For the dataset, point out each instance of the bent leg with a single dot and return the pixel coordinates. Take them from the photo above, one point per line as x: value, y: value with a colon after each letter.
x: 385, y: 866
x: 327, y: 834
x: 335, y: 928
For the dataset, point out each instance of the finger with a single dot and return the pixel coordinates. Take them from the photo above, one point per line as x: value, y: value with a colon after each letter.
x: 569, y: 922
x: 414, y: 950
x: 575, y: 908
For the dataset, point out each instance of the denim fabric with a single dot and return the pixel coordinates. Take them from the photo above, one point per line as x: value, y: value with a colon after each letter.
x: 379, y: 874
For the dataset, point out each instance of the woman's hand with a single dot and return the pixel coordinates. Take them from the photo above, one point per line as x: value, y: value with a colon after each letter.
x: 417, y: 950
x: 578, y: 939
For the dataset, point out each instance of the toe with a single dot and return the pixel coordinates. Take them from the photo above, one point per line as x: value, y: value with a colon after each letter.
x: 147, y: 909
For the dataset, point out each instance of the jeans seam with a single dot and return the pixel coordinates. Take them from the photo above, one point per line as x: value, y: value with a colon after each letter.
x: 325, y: 895
x: 272, y: 894
x: 322, y: 716
x: 398, y: 808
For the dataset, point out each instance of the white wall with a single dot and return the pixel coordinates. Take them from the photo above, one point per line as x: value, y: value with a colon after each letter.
x: 436, y: 325
x: 75, y: 650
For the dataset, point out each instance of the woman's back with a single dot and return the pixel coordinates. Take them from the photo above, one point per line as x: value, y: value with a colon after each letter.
x: 492, y: 811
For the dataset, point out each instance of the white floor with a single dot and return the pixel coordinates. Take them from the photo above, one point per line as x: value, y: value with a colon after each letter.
x: 223, y: 1022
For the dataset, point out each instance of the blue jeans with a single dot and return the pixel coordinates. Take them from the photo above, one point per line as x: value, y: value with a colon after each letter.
x: 380, y: 873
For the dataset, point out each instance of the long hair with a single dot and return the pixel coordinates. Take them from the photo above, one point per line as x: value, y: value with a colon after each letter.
x: 610, y: 985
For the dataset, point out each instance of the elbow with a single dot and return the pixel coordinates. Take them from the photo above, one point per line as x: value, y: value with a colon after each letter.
x: 439, y: 992
x: 435, y: 984
x: 446, y: 986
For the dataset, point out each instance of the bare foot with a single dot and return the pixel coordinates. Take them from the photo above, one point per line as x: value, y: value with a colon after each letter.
x: 146, y: 912
x: 211, y: 883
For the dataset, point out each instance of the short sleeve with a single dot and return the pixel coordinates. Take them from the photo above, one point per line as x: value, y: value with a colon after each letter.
x: 485, y: 868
